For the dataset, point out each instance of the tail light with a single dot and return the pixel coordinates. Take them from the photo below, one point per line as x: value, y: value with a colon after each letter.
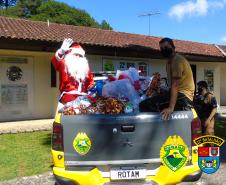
x: 57, y: 137
x: 196, y: 129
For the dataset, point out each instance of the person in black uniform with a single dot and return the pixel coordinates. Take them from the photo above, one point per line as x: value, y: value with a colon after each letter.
x: 206, y: 107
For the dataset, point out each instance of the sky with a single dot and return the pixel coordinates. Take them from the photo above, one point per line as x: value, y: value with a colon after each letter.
x: 194, y: 20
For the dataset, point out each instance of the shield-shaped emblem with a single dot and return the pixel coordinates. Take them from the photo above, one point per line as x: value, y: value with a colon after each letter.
x: 174, y: 153
x: 209, y: 159
x: 82, y: 143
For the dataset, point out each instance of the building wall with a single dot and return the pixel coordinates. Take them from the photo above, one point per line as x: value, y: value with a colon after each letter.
x: 222, y: 84
x: 95, y: 62
x: 40, y: 99
x: 42, y: 87
x: 156, y: 65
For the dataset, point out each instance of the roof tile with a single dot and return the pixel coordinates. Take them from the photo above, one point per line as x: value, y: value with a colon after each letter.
x: 37, y: 30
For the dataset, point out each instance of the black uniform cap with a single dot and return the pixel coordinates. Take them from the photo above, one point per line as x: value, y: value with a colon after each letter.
x: 203, y: 84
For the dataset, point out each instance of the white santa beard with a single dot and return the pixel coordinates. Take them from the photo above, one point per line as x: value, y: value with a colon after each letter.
x: 77, y: 66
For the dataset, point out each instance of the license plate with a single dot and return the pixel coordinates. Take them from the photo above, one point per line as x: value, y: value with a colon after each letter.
x: 127, y: 174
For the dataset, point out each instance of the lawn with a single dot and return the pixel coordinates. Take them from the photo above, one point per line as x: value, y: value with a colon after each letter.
x: 24, y: 154
x: 220, y: 129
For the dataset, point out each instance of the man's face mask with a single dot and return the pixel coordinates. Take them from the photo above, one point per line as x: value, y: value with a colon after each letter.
x: 199, y: 90
x: 166, y: 52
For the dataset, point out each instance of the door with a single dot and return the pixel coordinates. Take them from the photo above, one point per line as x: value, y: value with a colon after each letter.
x: 16, y: 87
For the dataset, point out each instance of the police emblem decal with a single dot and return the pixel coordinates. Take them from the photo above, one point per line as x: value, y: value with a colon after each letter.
x: 82, y: 143
x: 209, y: 157
x: 174, y: 153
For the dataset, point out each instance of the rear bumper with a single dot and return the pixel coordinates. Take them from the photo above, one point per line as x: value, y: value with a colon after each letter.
x: 94, y: 177
x: 129, y: 183
x: 193, y: 177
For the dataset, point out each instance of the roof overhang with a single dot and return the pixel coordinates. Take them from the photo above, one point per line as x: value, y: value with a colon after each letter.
x: 128, y: 51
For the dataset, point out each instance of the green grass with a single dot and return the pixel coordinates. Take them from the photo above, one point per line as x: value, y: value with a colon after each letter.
x: 220, y: 129
x: 24, y: 154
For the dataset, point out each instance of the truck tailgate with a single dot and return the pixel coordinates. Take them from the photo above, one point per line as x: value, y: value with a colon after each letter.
x: 116, y: 138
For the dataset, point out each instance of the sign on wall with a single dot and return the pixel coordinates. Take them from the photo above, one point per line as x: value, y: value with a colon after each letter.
x: 14, y: 94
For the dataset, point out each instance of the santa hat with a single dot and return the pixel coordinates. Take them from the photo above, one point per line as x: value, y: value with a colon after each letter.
x: 77, y: 49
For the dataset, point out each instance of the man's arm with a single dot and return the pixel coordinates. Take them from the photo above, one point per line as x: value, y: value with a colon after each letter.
x: 213, y: 102
x: 55, y: 63
x: 212, y: 114
x: 173, y: 99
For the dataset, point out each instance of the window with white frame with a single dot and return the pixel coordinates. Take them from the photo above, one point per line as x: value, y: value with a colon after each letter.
x: 143, y: 69
x: 122, y: 66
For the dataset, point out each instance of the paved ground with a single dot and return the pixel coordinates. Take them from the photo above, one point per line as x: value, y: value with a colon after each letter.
x: 218, y: 178
x: 43, y: 179
x: 25, y: 126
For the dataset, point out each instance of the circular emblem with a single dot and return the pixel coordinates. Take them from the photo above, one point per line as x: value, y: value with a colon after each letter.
x: 82, y: 143
x: 14, y: 73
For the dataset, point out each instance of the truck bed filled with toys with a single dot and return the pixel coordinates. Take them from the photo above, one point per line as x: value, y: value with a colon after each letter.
x: 115, y: 95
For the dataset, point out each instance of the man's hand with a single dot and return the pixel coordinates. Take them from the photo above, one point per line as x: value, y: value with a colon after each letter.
x: 166, y: 113
x: 65, y: 46
x: 173, y: 99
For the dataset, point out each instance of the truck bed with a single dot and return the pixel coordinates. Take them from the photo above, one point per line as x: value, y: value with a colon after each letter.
x: 123, y: 139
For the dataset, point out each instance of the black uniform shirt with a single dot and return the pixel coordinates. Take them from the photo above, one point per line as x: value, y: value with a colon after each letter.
x: 206, y: 104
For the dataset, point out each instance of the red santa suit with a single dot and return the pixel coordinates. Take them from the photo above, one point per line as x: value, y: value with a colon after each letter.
x: 74, y: 72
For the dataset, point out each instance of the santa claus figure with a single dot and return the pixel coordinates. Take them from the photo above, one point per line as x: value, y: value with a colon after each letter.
x: 74, y: 72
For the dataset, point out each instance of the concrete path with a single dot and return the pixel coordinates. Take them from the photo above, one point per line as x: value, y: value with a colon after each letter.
x: 43, y: 179
x: 217, y: 178
x: 26, y: 126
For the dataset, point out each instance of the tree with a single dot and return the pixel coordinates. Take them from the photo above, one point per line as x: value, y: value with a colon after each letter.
x: 57, y: 12
x: 7, y: 3
x: 63, y: 13
x: 22, y: 8
x: 105, y: 25
x: 29, y: 8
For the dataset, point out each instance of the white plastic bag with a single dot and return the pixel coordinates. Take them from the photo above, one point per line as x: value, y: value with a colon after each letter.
x: 121, y: 89
x: 132, y: 74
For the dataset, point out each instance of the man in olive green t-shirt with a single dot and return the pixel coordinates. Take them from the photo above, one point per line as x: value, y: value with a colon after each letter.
x: 181, y: 83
